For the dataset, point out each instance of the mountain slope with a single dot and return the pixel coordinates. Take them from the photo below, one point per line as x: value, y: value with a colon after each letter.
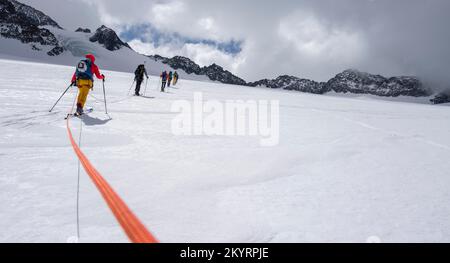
x: 292, y: 83
x: 32, y: 15
x: 351, y: 81
x: 24, y: 23
x: 213, y: 72
x: 354, y: 81
x: 44, y: 40
x: 345, y: 169
x: 441, y: 98
x: 28, y: 34
x: 108, y: 38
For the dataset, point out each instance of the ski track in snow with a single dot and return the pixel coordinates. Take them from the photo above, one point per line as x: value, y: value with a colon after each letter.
x: 392, y: 133
x: 346, y: 169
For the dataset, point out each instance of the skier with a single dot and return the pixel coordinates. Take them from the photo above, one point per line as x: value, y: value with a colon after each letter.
x: 83, y: 78
x: 175, y: 78
x: 164, y: 80
x: 139, y: 78
x: 170, y: 79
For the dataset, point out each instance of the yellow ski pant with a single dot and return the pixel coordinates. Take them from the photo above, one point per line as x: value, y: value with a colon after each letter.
x: 84, y: 86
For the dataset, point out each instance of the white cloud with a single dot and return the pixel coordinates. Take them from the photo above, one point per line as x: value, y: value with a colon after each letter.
x: 202, y: 54
x: 150, y: 49
x: 206, y: 55
x: 316, y: 40
x: 164, y: 15
x: 207, y: 23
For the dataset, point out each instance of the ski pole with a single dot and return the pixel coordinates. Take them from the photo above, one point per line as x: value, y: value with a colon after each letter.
x: 145, y: 90
x: 131, y: 87
x: 104, y: 96
x: 61, y: 97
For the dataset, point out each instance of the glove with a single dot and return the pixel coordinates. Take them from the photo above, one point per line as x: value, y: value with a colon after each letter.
x: 104, y: 78
x: 74, y: 83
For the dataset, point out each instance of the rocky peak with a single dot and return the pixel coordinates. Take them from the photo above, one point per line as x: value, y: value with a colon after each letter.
x: 442, y: 97
x: 354, y: 81
x: 217, y: 73
x: 24, y: 23
x: 292, y: 83
x: 34, y: 16
x: 404, y: 86
x: 179, y: 62
x: 108, y: 38
x: 83, y: 30
x: 213, y: 72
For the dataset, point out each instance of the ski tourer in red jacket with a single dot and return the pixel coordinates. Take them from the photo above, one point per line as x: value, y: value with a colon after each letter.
x: 94, y: 69
x: 84, y: 79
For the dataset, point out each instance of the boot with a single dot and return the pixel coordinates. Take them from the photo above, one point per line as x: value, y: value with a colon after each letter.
x: 79, y: 110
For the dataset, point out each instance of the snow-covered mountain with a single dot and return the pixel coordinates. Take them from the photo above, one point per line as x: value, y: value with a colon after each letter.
x: 83, y: 30
x: 28, y: 34
x: 351, y: 81
x: 34, y: 15
x: 441, y: 98
x: 213, y: 72
x: 43, y: 40
x: 24, y: 23
x: 346, y: 169
x: 354, y: 81
x: 108, y: 38
x: 292, y: 83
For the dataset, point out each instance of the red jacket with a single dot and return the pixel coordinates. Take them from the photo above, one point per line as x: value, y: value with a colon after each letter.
x: 94, y: 69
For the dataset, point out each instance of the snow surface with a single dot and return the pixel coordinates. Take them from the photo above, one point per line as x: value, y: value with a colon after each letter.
x: 346, y: 169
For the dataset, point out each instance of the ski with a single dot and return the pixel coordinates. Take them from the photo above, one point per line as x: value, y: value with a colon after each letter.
x: 70, y: 115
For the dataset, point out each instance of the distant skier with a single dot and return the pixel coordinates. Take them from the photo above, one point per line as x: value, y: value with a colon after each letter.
x: 83, y: 78
x: 175, y: 78
x: 139, y: 78
x: 170, y: 79
x: 164, y: 77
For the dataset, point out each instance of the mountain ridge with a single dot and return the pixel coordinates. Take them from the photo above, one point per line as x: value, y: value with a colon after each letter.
x: 29, y: 25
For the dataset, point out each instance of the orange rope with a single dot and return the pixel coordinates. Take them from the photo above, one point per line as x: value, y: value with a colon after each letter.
x: 133, y: 228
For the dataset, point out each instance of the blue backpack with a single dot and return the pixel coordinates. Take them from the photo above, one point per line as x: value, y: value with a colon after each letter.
x: 84, y: 70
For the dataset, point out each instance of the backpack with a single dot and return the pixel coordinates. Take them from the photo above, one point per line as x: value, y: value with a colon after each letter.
x: 84, y: 70
x: 139, y: 73
x: 164, y: 76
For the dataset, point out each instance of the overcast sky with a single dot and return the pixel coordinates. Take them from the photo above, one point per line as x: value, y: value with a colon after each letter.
x: 257, y: 39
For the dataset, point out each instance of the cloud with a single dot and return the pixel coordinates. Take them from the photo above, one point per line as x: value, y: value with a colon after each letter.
x: 150, y: 34
x: 150, y: 49
x: 163, y: 12
x: 202, y: 54
x: 206, y: 55
x: 316, y: 40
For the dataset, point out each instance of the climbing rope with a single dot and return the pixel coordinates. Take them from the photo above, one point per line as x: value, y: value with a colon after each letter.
x: 132, y: 226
